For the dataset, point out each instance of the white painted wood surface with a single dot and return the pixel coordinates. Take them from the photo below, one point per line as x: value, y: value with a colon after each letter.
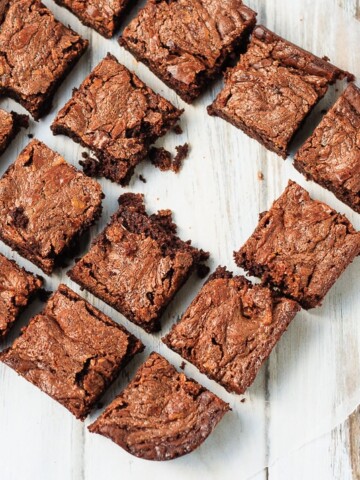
x: 296, y: 417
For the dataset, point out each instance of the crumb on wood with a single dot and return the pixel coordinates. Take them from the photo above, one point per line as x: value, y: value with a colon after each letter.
x: 183, y: 365
x: 142, y: 179
x: 243, y: 400
x: 260, y: 175
x: 178, y: 130
x: 30, y: 135
x: 164, y: 160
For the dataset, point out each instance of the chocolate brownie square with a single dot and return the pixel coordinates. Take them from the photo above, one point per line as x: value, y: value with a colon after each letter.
x: 300, y: 246
x: 230, y: 329
x: 272, y: 89
x: 331, y: 156
x: 161, y: 414
x: 45, y: 204
x: 186, y: 43
x: 17, y: 288
x: 10, y: 124
x: 118, y: 117
x: 36, y: 53
x: 137, y: 264
x: 104, y: 16
x: 71, y: 351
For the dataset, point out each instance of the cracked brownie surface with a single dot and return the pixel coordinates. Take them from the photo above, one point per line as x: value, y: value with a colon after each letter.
x: 71, y: 351
x: 331, y: 156
x: 138, y: 263
x: 10, y: 124
x: 272, y: 89
x: 186, y: 42
x: 300, y: 246
x: 17, y: 287
x: 117, y: 116
x: 161, y: 414
x: 36, y: 52
x: 230, y: 329
x: 102, y: 15
x: 45, y: 204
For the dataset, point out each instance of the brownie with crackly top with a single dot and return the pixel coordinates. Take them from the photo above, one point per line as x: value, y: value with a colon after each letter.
x: 104, y: 16
x: 10, y: 125
x: 331, y: 156
x: 17, y: 288
x: 118, y: 117
x: 71, y: 351
x: 273, y: 88
x: 301, y: 247
x: 186, y: 43
x: 45, y: 205
x: 36, y: 53
x: 161, y: 414
x: 230, y: 329
x: 138, y: 263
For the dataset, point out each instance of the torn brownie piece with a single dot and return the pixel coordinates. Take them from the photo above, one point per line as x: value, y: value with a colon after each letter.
x: 71, y: 351
x: 161, y: 414
x: 17, y: 288
x: 10, y: 125
x: 137, y: 264
x: 186, y: 43
x: 128, y: 118
x: 36, y: 53
x: 163, y: 159
x: 230, y: 329
x: 45, y: 205
x: 300, y: 246
x: 104, y: 16
x: 331, y: 156
x: 273, y: 88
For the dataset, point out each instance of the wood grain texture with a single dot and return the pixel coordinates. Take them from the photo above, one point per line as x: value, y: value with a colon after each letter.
x: 352, y: 6
x: 294, y: 419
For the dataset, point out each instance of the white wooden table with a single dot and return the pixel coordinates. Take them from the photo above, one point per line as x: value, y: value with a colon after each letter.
x: 297, y: 421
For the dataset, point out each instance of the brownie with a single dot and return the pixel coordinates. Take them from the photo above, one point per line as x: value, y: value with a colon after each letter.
x: 71, y: 351
x: 17, y: 288
x: 10, y: 124
x: 117, y: 116
x: 186, y: 43
x: 104, y: 16
x: 36, y: 52
x: 137, y: 264
x: 300, y: 246
x: 230, y: 329
x: 331, y: 156
x: 272, y: 89
x: 161, y: 414
x: 45, y: 204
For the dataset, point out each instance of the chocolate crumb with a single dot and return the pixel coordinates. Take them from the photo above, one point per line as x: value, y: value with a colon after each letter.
x: 30, y: 135
x: 142, y: 179
x: 85, y: 155
x: 161, y: 158
x: 183, y: 365
x: 178, y: 130
x: 182, y: 153
x: 260, y: 176
x: 19, y: 217
x: 243, y: 400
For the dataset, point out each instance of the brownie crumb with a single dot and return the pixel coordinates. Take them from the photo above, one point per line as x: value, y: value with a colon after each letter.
x: 162, y: 158
x: 30, y: 135
x: 177, y: 130
x: 202, y: 270
x: 142, y: 179
x: 183, y: 365
x: 243, y: 400
x: 260, y: 176
x: 85, y: 155
x: 19, y: 217
x: 182, y: 153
